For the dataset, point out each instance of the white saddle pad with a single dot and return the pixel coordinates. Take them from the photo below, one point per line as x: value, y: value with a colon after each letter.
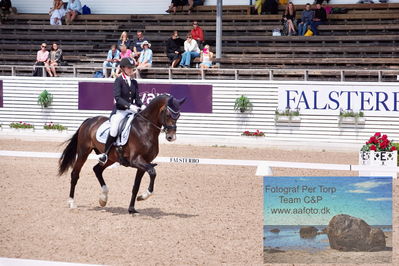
x: 103, y: 132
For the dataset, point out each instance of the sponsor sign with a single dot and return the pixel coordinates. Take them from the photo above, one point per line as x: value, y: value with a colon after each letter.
x: 99, y: 95
x: 323, y: 99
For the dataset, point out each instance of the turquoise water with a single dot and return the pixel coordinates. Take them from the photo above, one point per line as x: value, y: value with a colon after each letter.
x: 288, y: 238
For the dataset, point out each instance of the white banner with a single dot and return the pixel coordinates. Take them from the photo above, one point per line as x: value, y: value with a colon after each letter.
x: 327, y: 99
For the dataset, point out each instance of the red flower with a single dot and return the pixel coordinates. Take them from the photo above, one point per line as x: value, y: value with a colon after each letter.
x: 373, y: 140
x: 393, y: 148
x: 384, y: 137
x: 373, y: 148
x: 378, y: 134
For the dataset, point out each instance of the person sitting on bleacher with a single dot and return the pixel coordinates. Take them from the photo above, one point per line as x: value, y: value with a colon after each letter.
x: 41, y: 58
x: 55, y: 58
x: 191, y: 51
x: 289, y: 19
x: 194, y: 3
x: 113, y: 59
x: 173, y: 48
x: 306, y: 19
x: 206, y: 57
x: 124, y: 39
x: 198, y: 34
x: 145, y: 59
x: 124, y: 53
x: 137, y: 48
x: 320, y: 17
x: 174, y: 4
x: 57, y: 12
x: 74, y: 8
x: 5, y: 10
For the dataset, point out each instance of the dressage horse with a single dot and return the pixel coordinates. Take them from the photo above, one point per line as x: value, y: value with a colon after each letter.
x: 139, y: 152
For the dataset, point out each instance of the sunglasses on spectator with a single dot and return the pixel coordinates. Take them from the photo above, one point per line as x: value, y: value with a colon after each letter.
x: 44, y: 46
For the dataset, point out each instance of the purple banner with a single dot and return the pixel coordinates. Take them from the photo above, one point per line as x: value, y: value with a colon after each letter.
x: 1, y: 93
x: 99, y: 95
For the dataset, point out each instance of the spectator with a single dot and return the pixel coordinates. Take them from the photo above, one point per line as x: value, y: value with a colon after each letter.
x: 194, y: 3
x: 289, y: 19
x: 124, y: 39
x: 5, y: 10
x: 57, y: 12
x: 41, y: 59
x: 173, y: 48
x: 320, y: 17
x: 191, y: 51
x: 124, y: 53
x: 306, y: 19
x: 145, y: 59
x: 206, y: 57
x: 74, y: 8
x: 113, y: 58
x: 137, y: 43
x: 174, y: 4
x: 55, y: 58
x: 198, y: 34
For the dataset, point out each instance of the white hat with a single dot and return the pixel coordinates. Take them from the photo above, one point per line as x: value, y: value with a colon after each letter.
x: 144, y: 43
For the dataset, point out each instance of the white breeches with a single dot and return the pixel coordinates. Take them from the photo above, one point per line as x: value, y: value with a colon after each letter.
x: 115, y: 121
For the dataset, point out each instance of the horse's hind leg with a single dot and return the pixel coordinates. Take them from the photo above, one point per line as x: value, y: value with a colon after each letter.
x: 98, y: 170
x: 75, y: 177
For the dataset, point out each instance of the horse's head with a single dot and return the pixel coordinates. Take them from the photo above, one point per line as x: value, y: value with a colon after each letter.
x: 169, y: 117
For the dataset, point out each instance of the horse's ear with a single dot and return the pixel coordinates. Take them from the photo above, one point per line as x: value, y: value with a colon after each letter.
x: 181, y: 101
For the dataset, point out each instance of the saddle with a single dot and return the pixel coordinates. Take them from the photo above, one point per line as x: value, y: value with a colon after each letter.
x: 122, y: 137
x: 123, y: 131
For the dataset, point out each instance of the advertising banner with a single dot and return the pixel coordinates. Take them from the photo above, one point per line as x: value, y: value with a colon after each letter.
x: 99, y: 95
x: 327, y: 99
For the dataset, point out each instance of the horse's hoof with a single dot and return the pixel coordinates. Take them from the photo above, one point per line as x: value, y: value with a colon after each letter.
x: 102, y: 203
x: 133, y: 211
x: 71, y: 203
x: 144, y: 196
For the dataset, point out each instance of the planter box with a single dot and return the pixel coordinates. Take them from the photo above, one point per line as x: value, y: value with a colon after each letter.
x: 378, y: 160
x: 352, y: 120
x: 287, y: 119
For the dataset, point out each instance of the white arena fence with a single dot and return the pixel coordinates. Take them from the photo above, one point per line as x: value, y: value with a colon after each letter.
x: 263, y: 168
x: 20, y: 104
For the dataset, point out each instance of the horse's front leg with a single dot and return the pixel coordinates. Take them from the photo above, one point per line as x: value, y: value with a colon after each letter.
x: 135, y: 190
x: 151, y: 171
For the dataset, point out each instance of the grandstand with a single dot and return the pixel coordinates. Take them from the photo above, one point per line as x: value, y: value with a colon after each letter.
x: 363, y: 43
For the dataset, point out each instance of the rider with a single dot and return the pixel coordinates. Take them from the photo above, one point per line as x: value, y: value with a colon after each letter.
x: 127, y: 100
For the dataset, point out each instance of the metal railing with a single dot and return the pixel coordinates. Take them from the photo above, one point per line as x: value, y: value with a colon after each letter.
x: 236, y: 74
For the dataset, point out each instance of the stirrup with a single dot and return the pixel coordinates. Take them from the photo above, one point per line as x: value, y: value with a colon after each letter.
x: 103, y: 158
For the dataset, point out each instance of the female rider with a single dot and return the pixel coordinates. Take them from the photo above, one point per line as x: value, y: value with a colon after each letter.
x: 127, y: 100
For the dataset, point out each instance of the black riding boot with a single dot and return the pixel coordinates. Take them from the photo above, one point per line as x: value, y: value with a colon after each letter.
x: 108, y: 145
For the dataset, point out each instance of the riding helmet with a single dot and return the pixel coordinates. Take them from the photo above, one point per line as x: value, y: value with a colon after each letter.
x: 126, y: 62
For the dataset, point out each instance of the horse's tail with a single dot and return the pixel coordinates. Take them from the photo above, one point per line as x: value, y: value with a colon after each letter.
x: 68, y: 156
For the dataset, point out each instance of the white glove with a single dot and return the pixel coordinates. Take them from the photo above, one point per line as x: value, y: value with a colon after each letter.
x: 134, y: 108
x: 143, y: 107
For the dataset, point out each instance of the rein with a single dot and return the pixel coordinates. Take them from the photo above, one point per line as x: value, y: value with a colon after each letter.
x: 162, y: 129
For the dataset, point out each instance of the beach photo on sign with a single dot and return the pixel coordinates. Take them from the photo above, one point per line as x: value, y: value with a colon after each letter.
x: 327, y: 219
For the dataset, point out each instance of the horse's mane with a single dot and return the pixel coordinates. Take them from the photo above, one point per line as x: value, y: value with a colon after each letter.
x: 157, y: 102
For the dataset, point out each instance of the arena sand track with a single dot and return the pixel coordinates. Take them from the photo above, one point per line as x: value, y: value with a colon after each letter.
x: 200, y: 214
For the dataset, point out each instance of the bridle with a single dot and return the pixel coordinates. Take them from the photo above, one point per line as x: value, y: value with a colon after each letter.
x: 174, y: 114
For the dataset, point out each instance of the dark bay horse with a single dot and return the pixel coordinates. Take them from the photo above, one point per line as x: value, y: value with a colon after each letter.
x: 139, y: 152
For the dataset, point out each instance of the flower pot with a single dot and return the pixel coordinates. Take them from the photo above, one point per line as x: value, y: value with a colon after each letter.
x: 287, y: 119
x: 377, y: 160
x: 352, y: 120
